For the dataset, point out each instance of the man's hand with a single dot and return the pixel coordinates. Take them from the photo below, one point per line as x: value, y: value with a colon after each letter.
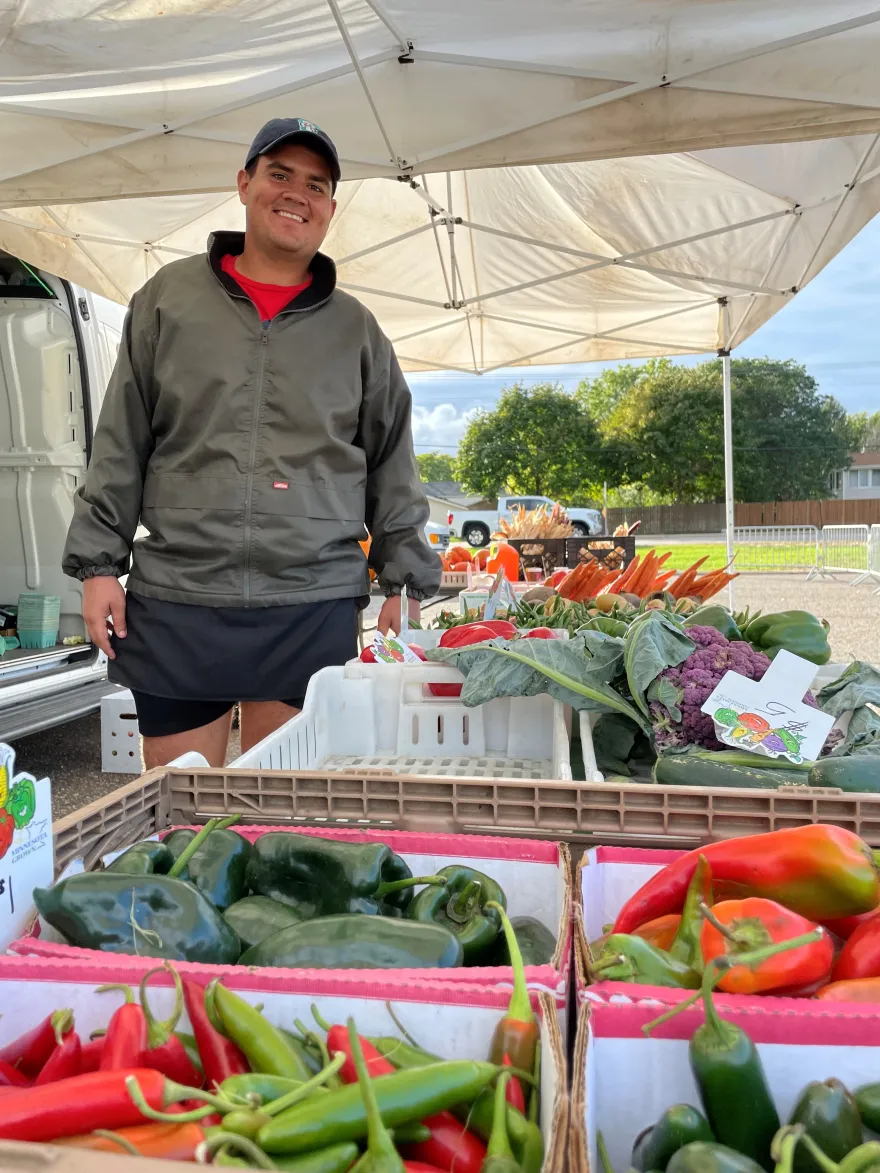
x: 104, y: 610
x: 389, y: 616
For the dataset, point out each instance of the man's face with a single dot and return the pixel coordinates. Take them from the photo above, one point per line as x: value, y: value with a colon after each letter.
x: 289, y: 200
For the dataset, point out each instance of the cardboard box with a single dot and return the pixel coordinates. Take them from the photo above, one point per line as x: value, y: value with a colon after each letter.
x: 451, y: 1020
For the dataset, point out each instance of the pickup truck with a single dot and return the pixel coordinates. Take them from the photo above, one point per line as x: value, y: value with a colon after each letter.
x: 476, y: 526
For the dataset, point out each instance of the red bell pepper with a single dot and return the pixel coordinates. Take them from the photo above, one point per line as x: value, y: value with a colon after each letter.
x: 860, y: 956
x: 220, y: 1057
x: 64, y: 1061
x: 11, y: 1076
x: 126, y: 1038
x: 451, y: 1147
x: 541, y: 633
x: 845, y: 926
x: 164, y: 1050
x: 819, y: 871
x: 29, y: 1052
x: 467, y: 634
x: 742, y: 926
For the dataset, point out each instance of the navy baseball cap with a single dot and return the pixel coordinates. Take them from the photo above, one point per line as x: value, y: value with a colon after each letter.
x: 295, y: 130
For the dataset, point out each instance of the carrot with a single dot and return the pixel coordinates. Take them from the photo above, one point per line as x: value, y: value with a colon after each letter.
x: 667, y: 555
x: 661, y: 580
x: 626, y: 576
x: 686, y: 581
x: 640, y: 583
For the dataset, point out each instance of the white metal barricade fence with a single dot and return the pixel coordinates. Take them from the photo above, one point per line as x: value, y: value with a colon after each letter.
x: 776, y: 548
x: 873, y: 568
x: 844, y: 550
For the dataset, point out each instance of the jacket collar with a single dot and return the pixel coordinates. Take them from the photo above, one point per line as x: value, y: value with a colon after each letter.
x: 322, y: 269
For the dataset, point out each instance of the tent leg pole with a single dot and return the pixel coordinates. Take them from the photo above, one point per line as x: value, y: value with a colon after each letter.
x: 728, y: 463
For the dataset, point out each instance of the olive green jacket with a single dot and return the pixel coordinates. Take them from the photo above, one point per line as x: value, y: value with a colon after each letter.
x: 254, y: 453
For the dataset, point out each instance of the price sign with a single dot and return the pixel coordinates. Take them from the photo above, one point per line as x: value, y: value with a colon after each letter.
x: 26, y: 856
x: 768, y: 716
x: 389, y: 650
x: 497, y: 595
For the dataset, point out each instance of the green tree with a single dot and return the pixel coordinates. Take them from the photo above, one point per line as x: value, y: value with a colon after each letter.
x: 868, y: 427
x: 538, y: 440
x: 667, y: 432
x: 601, y: 396
x: 436, y: 466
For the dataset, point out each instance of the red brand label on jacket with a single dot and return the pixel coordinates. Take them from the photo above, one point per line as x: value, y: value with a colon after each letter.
x: 280, y: 485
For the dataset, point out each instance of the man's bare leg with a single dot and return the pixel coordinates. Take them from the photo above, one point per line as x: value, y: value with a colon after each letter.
x: 211, y: 741
x: 260, y: 718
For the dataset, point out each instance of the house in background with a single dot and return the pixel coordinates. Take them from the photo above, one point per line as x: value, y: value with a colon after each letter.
x: 859, y: 482
x: 445, y: 496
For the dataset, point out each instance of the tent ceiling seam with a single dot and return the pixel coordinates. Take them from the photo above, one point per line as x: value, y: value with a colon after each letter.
x: 374, y: 248
x: 355, y: 60
x: 403, y: 41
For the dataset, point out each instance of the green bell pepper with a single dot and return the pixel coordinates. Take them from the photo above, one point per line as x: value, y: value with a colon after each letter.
x: 219, y: 866
x: 798, y: 632
x: 143, y: 859
x: 22, y: 802
x: 714, y: 615
x: 257, y: 917
x: 459, y: 905
x: 326, y: 877
x: 358, y: 942
x: 149, y: 916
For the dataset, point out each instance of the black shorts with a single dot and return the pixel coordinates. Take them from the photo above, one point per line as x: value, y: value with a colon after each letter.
x: 187, y: 665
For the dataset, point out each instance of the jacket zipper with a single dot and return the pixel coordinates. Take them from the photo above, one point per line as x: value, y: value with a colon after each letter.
x: 252, y: 463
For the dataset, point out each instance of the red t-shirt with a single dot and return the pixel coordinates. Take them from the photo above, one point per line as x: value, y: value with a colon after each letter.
x: 269, y: 299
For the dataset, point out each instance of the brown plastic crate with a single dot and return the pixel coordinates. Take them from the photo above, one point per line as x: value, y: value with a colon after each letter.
x: 616, y: 556
x: 122, y: 817
x: 546, y: 553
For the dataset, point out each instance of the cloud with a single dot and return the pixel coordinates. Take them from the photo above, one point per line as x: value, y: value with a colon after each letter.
x: 440, y: 427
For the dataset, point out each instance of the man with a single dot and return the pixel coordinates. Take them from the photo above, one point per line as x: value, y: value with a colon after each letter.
x: 256, y: 421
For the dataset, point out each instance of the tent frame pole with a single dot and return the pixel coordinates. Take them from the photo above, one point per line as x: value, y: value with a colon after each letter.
x: 729, y: 513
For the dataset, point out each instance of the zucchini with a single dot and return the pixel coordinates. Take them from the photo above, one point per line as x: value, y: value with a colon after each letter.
x: 858, y: 774
x: 690, y: 770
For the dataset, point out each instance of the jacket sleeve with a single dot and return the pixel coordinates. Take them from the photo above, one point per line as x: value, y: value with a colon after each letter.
x: 397, y: 508
x: 107, y: 506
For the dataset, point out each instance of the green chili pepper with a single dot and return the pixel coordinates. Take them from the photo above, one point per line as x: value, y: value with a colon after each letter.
x: 267, y: 1087
x: 499, y: 1155
x: 830, y: 1116
x: 143, y: 859
x: 382, y: 1156
x: 324, y: 877
x: 864, y: 1159
x: 625, y: 958
x: 685, y: 945
x: 530, y: 1153
x: 402, y: 1097
x: 678, y: 1126
x: 218, y: 866
x: 705, y: 1157
x: 517, y: 1035
x: 460, y: 906
x: 265, y: 1048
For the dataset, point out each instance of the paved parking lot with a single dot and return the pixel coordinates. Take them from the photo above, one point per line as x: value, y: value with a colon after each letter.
x: 71, y: 755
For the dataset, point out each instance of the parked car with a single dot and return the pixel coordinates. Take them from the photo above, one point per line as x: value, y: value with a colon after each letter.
x: 439, y: 536
x: 476, y: 526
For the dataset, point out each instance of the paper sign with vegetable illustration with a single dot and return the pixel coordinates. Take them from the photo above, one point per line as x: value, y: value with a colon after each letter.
x: 389, y: 650
x: 26, y: 859
x: 767, y: 716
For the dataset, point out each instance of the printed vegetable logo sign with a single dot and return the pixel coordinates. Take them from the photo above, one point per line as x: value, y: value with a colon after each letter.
x: 18, y: 800
x: 750, y: 731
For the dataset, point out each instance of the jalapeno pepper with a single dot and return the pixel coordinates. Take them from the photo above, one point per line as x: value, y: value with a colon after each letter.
x: 678, y: 1126
x: 829, y: 1114
x: 460, y: 905
x: 704, y: 1157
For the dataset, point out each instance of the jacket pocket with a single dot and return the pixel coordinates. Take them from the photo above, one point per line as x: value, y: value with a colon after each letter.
x: 163, y: 491
x: 323, y: 502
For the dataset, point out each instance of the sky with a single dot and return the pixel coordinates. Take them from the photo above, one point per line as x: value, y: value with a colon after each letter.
x: 831, y: 327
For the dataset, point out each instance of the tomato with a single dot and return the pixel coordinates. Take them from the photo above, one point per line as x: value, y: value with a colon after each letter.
x: 754, y: 722
x: 481, y: 559
x: 540, y: 633
x: 459, y: 567
x: 459, y: 554
x: 368, y: 656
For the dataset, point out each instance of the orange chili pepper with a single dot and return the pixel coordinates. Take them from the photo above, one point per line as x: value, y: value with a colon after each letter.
x: 739, y: 926
x: 856, y: 990
x: 174, y: 1142
x: 660, y: 931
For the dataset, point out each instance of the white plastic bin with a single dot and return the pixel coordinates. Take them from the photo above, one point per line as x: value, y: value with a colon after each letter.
x: 383, y: 717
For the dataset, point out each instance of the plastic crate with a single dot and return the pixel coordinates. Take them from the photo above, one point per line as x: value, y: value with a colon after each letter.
x: 615, y: 553
x: 383, y: 717
x: 547, y: 553
x: 38, y: 620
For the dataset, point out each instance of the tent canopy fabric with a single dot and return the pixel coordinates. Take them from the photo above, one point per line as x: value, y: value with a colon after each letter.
x: 525, y: 183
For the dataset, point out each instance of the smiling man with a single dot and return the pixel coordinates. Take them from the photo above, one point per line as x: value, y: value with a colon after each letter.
x: 255, y: 422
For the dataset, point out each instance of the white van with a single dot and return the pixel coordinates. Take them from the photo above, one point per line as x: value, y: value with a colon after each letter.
x: 56, y: 355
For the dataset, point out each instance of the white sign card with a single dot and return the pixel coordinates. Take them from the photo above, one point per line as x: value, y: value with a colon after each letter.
x: 388, y: 649
x: 500, y: 592
x: 768, y: 716
x: 26, y: 856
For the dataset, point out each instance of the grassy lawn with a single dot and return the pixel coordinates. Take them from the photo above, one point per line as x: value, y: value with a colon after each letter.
x: 684, y: 556
x: 772, y: 556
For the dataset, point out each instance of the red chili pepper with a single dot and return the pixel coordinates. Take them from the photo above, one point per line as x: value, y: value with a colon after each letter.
x: 820, y: 871
x: 90, y: 1055
x: 741, y: 926
x: 220, y: 1056
x: 845, y: 926
x: 860, y: 956
x: 11, y: 1077
x: 81, y: 1104
x: 174, y: 1142
x: 64, y: 1061
x: 451, y: 1146
x: 29, y: 1052
x: 126, y: 1039
x: 164, y: 1050
x: 513, y: 1093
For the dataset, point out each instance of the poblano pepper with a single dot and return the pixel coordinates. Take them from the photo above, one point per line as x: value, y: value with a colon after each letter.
x: 325, y: 877
x: 536, y: 943
x: 714, y: 615
x: 149, y: 916
x: 218, y: 867
x: 460, y: 906
x: 256, y: 917
x: 798, y: 632
x: 143, y: 859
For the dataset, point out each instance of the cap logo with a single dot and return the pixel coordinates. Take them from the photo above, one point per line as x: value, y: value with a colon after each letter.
x: 309, y: 127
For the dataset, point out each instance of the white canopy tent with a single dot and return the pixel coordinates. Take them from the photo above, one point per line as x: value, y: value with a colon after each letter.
x: 553, y: 182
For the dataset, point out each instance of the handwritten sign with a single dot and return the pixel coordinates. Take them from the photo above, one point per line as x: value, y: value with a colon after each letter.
x: 389, y: 650
x: 768, y: 717
x: 26, y: 856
